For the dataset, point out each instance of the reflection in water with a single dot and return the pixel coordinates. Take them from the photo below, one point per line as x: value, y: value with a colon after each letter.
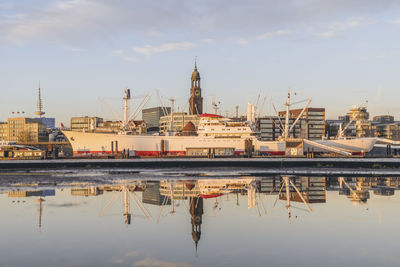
x: 165, y: 197
x: 166, y: 192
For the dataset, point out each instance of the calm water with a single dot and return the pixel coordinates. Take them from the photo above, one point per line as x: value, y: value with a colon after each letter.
x: 123, y: 218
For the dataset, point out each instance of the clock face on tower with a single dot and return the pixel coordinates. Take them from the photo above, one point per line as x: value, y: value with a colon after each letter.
x: 197, y: 93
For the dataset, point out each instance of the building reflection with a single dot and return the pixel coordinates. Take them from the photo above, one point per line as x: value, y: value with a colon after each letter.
x: 358, y: 189
x: 34, y: 193
x: 198, y: 195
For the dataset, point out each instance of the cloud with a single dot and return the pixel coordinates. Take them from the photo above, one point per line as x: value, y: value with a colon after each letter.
x: 149, y: 50
x: 207, y: 40
x: 120, y: 53
x: 130, y: 59
x: 339, y: 27
x: 78, y: 21
x: 268, y: 35
x: 243, y: 41
x: 6, y: 6
x: 263, y: 36
x: 152, y: 262
x: 396, y: 21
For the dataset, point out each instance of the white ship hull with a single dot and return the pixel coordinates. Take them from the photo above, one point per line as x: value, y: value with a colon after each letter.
x: 84, y: 143
x: 354, y: 146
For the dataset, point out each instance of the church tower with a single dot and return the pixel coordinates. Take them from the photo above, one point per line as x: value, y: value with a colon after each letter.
x: 195, y: 101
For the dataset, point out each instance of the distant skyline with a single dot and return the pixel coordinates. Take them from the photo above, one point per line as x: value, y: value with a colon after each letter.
x: 340, y: 53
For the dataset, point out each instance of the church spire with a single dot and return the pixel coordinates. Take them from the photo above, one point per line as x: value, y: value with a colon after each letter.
x: 195, y: 101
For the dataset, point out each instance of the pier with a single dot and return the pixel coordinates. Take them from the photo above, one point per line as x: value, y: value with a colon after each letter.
x: 361, y: 166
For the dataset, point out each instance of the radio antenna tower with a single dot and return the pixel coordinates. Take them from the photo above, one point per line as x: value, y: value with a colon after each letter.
x: 39, y: 111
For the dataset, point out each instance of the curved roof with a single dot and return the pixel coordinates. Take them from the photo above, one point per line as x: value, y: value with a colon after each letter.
x: 189, y: 127
x: 210, y: 115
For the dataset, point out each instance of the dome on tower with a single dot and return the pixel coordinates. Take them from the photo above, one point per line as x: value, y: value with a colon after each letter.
x: 195, y: 73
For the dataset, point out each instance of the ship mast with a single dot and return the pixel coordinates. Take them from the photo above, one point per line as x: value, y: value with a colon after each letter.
x: 287, y: 104
x: 127, y: 99
x: 171, y: 126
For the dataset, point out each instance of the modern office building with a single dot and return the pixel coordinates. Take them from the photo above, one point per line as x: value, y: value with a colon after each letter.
x: 50, y: 123
x: 271, y: 128
x: 383, y: 119
x: 152, y: 116
x: 314, y: 121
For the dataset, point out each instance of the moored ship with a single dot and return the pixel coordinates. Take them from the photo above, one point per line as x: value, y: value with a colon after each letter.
x: 215, y: 135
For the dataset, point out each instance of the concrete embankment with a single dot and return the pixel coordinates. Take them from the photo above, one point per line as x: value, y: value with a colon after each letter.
x: 185, y: 163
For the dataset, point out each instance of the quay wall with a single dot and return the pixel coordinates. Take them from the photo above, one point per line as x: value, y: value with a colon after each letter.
x: 263, y: 163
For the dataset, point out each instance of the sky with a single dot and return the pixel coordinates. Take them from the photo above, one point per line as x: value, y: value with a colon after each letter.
x: 340, y: 53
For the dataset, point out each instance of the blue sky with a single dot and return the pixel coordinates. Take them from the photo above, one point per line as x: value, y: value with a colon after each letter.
x: 340, y: 53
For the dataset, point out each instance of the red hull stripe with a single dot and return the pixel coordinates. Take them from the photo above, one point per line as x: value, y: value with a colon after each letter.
x: 158, y: 153
x: 211, y: 195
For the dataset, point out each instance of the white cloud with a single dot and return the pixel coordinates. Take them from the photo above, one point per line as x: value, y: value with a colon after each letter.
x: 6, y: 6
x: 268, y: 35
x: 207, y: 40
x: 149, y: 50
x: 121, y: 54
x: 118, y: 51
x: 77, y: 21
x: 243, y: 41
x: 130, y: 59
x: 339, y: 27
x: 327, y: 35
x: 396, y: 21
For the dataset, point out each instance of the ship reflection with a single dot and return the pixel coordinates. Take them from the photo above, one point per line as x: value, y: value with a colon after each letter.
x: 196, y: 197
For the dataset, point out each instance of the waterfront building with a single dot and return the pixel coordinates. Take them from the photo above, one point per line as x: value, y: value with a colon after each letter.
x: 383, y: 119
x: 180, y: 119
x: 270, y: 128
x: 195, y: 100
x: 137, y: 127
x: 50, y: 123
x: 96, y: 124
x: 84, y: 124
x: 389, y: 131
x: 356, y: 124
x: 3, y: 131
x: 26, y: 130
x: 152, y: 116
x: 359, y: 115
x: 314, y: 122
